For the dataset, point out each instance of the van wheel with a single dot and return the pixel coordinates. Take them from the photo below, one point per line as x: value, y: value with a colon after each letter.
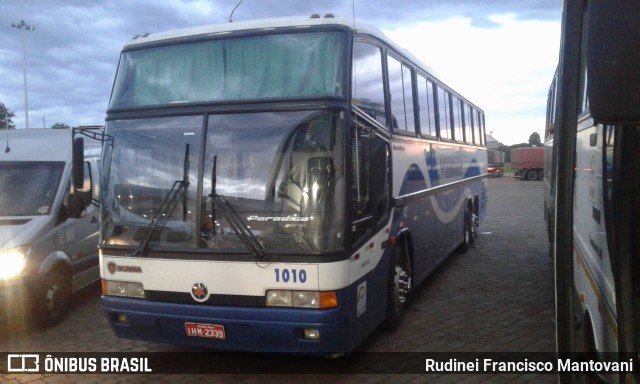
x: 52, y: 300
x: 399, y: 286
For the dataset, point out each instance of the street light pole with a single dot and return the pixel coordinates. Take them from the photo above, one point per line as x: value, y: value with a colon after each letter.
x: 22, y: 26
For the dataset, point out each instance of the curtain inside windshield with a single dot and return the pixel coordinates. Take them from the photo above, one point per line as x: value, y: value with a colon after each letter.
x: 258, y: 67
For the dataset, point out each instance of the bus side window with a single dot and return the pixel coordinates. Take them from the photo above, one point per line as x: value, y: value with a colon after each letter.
x: 401, y: 96
x: 371, y: 178
x: 368, y: 83
x: 457, y: 119
x: 479, y: 131
x: 468, y: 124
x: 444, y: 114
x: 427, y: 108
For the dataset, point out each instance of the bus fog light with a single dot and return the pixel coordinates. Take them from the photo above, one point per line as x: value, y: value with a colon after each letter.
x: 122, y: 318
x: 312, y: 333
x: 277, y: 298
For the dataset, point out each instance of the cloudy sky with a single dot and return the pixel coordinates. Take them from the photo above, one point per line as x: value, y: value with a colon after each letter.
x: 500, y: 54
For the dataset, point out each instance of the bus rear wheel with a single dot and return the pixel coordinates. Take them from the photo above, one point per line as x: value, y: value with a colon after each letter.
x: 469, y: 230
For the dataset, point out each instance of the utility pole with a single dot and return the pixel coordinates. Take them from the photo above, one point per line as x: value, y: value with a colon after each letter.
x: 22, y: 26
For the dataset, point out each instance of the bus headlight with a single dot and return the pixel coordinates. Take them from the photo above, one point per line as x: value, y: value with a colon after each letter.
x: 12, y: 261
x: 279, y: 299
x: 301, y: 299
x: 122, y: 288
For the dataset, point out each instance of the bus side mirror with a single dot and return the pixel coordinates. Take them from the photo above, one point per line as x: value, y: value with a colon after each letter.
x: 77, y: 166
x: 613, y: 58
x: 75, y: 205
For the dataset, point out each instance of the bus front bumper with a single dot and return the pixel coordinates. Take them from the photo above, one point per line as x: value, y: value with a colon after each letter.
x: 265, y: 329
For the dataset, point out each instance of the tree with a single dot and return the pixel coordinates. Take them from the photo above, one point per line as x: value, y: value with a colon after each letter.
x: 5, y: 118
x: 534, y: 139
x: 60, y: 126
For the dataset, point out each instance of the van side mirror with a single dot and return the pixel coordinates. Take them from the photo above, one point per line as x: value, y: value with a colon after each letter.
x: 77, y: 166
x: 613, y: 57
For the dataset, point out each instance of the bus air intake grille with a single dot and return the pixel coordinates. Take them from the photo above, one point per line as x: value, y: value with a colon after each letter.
x: 221, y: 300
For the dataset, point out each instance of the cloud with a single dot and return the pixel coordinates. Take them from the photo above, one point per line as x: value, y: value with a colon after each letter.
x: 73, y: 53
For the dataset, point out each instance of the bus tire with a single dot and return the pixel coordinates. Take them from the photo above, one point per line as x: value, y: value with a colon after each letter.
x: 398, y: 289
x: 589, y: 351
x: 52, y: 300
x: 468, y: 231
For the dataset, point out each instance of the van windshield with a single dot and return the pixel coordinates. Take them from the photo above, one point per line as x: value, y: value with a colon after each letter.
x: 28, y: 188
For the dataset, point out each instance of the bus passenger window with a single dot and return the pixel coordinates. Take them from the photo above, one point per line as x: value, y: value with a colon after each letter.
x: 401, y: 94
x: 444, y: 114
x: 480, y: 128
x: 427, y: 108
x: 407, y: 79
x: 468, y: 124
x: 368, y: 84
x: 457, y: 119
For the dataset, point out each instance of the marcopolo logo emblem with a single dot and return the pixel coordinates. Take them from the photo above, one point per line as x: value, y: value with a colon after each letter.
x: 199, y: 292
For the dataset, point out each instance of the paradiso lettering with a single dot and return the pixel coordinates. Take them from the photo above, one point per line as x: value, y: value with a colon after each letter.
x: 278, y: 218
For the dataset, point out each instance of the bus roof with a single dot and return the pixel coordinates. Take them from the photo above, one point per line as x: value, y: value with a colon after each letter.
x: 257, y: 25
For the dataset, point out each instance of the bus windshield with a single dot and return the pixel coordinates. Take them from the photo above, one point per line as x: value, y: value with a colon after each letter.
x: 272, y: 66
x: 28, y: 188
x: 271, y: 179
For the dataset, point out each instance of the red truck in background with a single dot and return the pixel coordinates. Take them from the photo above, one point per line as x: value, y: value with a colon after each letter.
x: 495, y: 166
x: 527, y: 163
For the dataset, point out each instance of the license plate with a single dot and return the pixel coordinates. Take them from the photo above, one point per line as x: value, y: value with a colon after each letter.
x: 212, y: 331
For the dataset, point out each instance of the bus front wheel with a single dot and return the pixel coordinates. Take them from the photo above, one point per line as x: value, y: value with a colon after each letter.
x: 399, y: 285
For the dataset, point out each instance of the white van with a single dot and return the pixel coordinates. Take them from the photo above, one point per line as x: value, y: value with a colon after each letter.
x: 48, y: 224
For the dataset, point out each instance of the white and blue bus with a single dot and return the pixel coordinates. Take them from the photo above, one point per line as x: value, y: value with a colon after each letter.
x: 280, y: 185
x: 592, y: 174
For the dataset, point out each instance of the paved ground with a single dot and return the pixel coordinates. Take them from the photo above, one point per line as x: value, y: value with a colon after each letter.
x: 497, y: 297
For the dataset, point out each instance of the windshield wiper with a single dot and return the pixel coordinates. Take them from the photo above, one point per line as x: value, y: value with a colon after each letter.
x: 178, y: 190
x: 246, y: 236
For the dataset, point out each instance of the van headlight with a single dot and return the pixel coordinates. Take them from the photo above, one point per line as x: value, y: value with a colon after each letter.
x: 12, y: 261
